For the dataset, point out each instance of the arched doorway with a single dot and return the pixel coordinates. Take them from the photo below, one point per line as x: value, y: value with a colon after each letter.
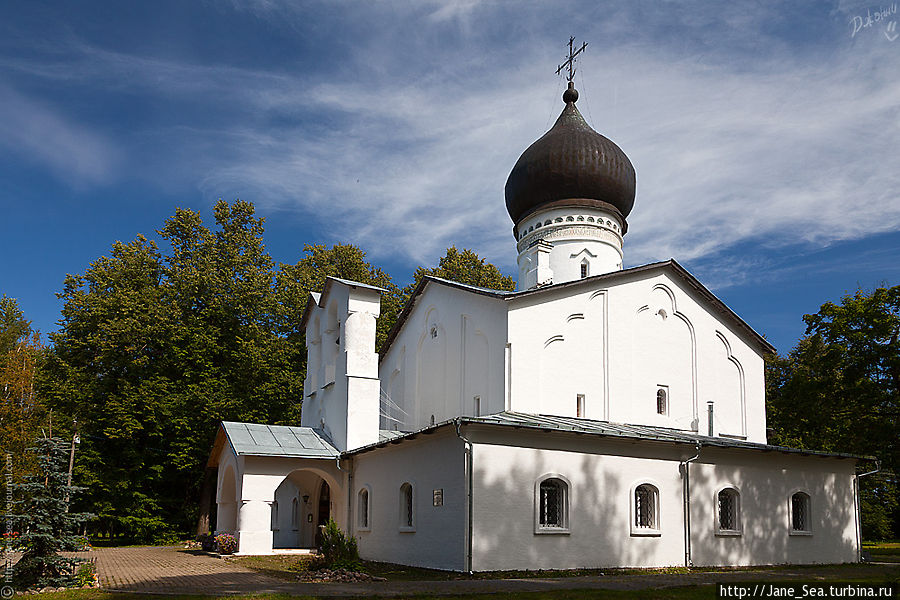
x: 324, y: 510
x: 302, y: 502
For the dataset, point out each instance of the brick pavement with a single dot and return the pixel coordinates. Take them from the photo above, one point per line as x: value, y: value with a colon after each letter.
x: 173, y: 570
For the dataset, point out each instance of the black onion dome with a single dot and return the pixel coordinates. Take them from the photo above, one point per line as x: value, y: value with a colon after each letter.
x: 570, y: 166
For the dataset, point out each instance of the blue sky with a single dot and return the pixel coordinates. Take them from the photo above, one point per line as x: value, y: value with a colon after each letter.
x: 764, y: 135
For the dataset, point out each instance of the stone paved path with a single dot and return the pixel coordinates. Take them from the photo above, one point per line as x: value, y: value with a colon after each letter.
x: 172, y: 570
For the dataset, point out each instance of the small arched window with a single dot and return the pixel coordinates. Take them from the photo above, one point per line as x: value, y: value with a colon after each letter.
x: 362, y: 509
x: 800, y: 514
x: 295, y: 514
x: 275, y: 515
x: 662, y: 401
x: 585, y: 269
x: 646, y: 508
x: 728, y: 517
x: 552, y: 505
x: 407, y: 508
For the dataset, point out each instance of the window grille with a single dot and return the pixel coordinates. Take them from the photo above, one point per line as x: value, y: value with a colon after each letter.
x: 645, y: 507
x: 661, y: 401
x: 406, y: 505
x: 729, y: 519
x: 800, y: 512
x: 552, y: 503
x: 363, y: 508
x: 584, y: 270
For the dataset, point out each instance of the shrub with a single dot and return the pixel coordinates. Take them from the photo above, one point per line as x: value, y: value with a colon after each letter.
x: 86, y: 575
x: 226, y: 543
x: 338, y: 550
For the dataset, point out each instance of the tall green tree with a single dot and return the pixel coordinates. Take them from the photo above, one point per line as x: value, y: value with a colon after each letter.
x: 839, y: 390
x: 463, y: 266
x: 21, y: 353
x: 154, y: 349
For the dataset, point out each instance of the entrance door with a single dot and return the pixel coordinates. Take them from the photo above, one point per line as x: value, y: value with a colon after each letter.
x: 324, y: 511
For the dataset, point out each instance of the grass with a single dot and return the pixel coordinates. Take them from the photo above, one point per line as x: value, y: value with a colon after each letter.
x: 680, y: 593
x: 287, y: 567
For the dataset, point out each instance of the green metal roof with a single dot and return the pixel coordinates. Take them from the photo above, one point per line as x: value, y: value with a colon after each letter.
x: 253, y: 439
x: 576, y: 425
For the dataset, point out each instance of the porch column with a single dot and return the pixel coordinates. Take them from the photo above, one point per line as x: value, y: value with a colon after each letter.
x: 255, y: 527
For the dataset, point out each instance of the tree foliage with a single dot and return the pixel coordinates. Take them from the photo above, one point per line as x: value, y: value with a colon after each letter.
x: 465, y: 267
x: 839, y: 390
x: 46, y: 525
x: 154, y: 350
x: 21, y: 352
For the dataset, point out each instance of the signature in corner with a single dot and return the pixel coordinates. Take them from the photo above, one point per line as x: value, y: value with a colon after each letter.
x: 858, y: 23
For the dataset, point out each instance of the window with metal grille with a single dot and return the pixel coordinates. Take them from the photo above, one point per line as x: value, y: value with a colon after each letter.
x: 729, y: 502
x: 662, y: 397
x: 800, y: 519
x: 552, y: 503
x: 585, y: 270
x: 407, y: 521
x: 645, y: 507
x: 363, y: 508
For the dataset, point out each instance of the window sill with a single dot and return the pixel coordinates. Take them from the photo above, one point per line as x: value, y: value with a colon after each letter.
x: 646, y: 532
x: 801, y: 533
x: 551, y: 531
x: 363, y: 529
x: 729, y: 533
x: 407, y: 530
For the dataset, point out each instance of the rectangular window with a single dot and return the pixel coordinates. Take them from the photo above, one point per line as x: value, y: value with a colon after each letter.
x: 477, y: 407
x: 584, y: 270
x: 579, y: 405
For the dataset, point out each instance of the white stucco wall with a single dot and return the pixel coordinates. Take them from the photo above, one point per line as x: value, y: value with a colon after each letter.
x: 603, y: 475
x: 618, y: 342
x: 428, y: 462
x: 766, y: 483
x: 341, y: 389
x: 450, y: 350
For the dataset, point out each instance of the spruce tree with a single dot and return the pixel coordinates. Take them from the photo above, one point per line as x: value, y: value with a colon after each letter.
x: 46, y: 526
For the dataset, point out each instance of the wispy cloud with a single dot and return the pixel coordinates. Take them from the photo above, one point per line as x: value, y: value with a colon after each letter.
x: 405, y: 147
x: 41, y: 135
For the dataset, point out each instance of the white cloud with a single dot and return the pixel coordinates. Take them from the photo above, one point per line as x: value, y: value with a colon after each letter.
x: 38, y: 133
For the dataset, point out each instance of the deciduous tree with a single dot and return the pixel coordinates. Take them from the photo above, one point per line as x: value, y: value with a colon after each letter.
x: 839, y: 390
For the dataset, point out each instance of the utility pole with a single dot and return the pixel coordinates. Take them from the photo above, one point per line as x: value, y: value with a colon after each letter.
x: 75, y: 440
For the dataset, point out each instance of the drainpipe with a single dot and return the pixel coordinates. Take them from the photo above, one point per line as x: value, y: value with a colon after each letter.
x: 858, y: 516
x: 468, y: 561
x: 350, y: 523
x: 684, y: 467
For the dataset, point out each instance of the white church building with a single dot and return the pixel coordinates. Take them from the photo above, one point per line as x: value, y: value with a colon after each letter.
x: 596, y: 417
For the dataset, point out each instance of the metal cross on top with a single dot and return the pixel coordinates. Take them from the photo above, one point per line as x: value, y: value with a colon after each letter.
x: 570, y: 62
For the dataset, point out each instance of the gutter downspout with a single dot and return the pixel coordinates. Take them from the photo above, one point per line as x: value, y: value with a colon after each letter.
x: 684, y: 467
x: 469, y: 512
x: 857, y: 515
